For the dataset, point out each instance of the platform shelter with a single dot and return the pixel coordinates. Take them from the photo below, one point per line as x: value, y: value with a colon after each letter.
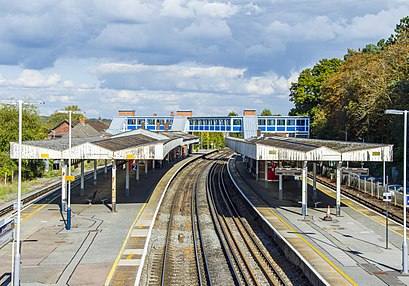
x: 132, y: 149
x: 267, y: 153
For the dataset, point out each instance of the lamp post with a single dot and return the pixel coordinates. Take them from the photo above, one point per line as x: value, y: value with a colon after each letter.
x: 17, y: 257
x: 404, y: 244
x: 70, y: 112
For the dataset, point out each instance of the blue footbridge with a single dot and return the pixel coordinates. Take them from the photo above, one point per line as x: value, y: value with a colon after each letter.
x: 249, y: 124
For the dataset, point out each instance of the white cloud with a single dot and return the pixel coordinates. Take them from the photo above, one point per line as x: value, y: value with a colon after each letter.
x: 198, y: 54
x: 31, y: 79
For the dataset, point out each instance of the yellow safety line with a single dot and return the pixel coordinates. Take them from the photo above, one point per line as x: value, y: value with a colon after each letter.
x: 315, y: 249
x: 34, y: 212
x: 111, y: 273
x: 347, y: 201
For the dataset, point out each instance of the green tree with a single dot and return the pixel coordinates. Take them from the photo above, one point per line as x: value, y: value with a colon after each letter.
x: 266, y: 112
x: 306, y: 92
x: 33, y: 129
x: 56, y: 118
x: 232, y: 113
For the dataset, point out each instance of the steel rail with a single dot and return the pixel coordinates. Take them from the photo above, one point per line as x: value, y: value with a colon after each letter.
x: 169, y: 227
x: 229, y: 228
x: 263, y: 261
x: 226, y: 244
x: 195, y: 214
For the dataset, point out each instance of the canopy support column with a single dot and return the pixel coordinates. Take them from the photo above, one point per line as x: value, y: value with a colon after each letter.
x: 153, y: 164
x: 95, y: 171
x: 82, y: 179
x: 314, y: 181
x: 280, y: 187
x: 146, y: 166
x: 137, y: 171
x: 127, y: 178
x: 265, y: 170
x: 63, y: 186
x: 256, y: 170
x: 113, y: 193
x: 304, y: 189
x: 106, y: 166
x: 338, y: 205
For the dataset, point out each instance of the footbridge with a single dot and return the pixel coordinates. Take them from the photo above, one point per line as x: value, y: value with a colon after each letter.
x: 249, y: 124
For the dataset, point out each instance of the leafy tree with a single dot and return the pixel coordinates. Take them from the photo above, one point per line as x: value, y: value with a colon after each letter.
x: 232, y: 113
x: 400, y: 30
x: 56, y: 118
x: 33, y: 129
x: 266, y: 112
x: 306, y: 92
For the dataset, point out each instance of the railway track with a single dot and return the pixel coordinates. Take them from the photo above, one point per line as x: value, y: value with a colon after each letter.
x: 394, y: 212
x: 201, y: 237
x: 178, y: 257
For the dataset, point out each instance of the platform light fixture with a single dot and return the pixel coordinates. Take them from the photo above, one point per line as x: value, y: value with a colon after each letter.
x: 405, y: 128
x: 17, y: 258
x: 69, y: 112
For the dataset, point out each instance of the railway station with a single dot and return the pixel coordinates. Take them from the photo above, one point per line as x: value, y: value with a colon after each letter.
x: 117, y: 219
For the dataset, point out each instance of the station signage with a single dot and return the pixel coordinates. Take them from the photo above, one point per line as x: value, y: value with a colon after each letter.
x: 387, y: 197
x: 288, y: 171
x: 358, y: 171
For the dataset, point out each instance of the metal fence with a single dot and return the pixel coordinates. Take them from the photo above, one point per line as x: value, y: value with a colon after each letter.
x: 368, y: 186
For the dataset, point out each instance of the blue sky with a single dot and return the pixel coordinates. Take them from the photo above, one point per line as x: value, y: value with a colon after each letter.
x: 161, y: 56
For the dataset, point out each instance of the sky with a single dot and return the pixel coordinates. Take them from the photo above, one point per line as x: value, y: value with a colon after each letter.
x: 211, y: 57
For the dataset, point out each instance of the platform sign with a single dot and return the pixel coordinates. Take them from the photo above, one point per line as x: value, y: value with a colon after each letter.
x: 69, y: 178
x: 387, y: 197
x: 130, y: 156
x: 407, y: 200
x: 288, y: 171
x: 134, y: 166
x: 358, y: 171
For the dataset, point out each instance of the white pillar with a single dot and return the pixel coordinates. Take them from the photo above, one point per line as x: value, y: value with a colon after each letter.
x: 384, y: 174
x: 280, y: 187
x: 256, y: 170
x: 338, y: 205
x: 63, y: 186
x: 137, y: 171
x: 304, y: 189
x: 153, y: 164
x: 265, y: 170
x: 146, y: 166
x: 127, y: 178
x: 314, y: 181
x: 82, y: 179
x: 106, y: 166
x: 113, y: 193
x: 95, y: 171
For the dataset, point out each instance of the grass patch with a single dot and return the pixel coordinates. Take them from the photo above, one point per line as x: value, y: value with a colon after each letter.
x: 9, y: 191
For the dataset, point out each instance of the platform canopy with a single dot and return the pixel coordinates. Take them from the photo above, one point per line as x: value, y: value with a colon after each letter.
x: 128, y: 145
x: 277, y: 148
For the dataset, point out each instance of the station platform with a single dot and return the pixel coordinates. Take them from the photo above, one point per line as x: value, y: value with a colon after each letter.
x: 349, y: 250
x: 88, y: 253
